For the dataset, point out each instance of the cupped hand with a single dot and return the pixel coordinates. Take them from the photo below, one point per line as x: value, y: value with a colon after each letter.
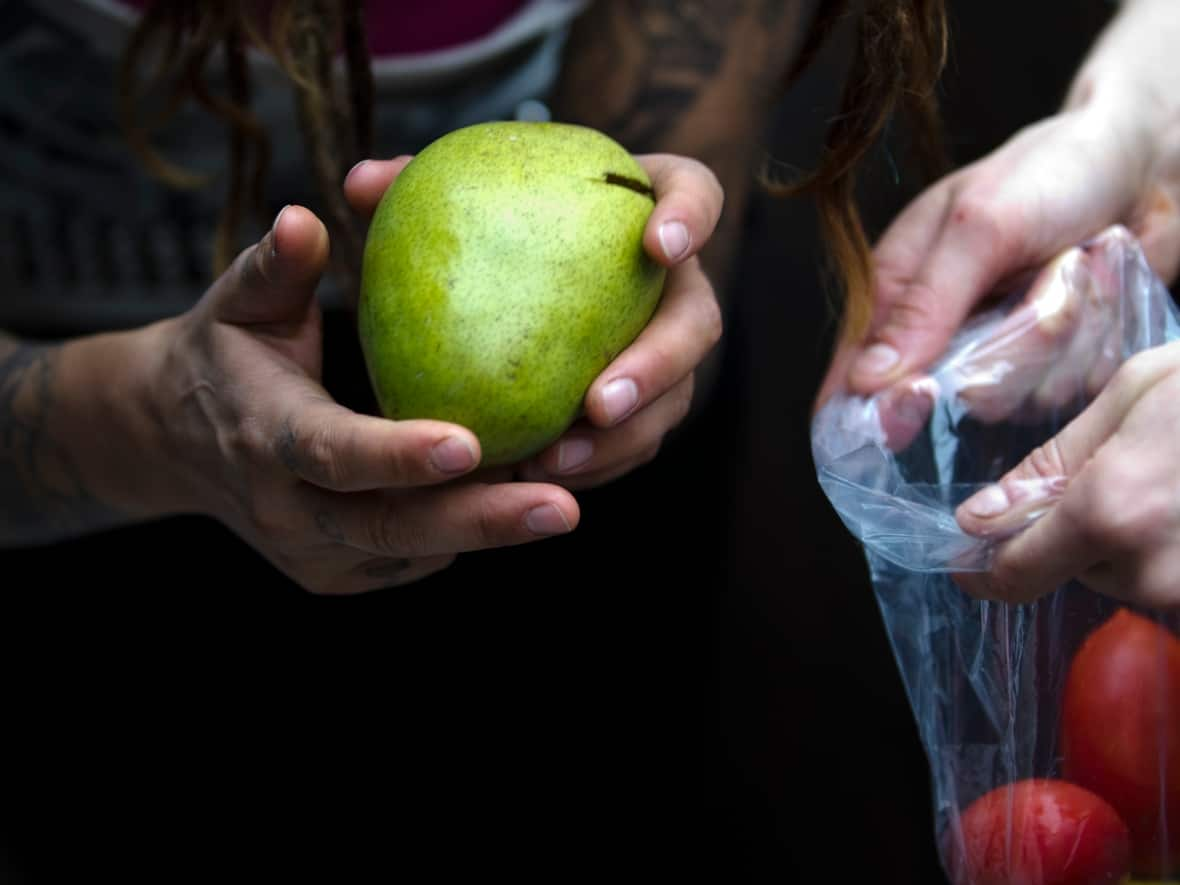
x: 339, y: 501
x: 647, y: 390
x: 988, y: 226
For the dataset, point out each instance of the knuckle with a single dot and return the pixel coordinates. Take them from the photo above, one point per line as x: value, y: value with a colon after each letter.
x: 319, y: 459
x: 487, y: 525
x: 1116, y: 511
x: 1133, y: 376
x: 977, y: 216
x: 394, y: 537
x: 920, y: 310
x: 1046, y: 461
x: 710, y: 318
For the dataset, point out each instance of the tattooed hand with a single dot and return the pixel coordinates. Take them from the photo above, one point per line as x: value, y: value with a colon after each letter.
x: 341, y: 502
x: 221, y: 411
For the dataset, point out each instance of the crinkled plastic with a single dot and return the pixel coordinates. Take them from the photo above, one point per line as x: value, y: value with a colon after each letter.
x: 1052, y: 728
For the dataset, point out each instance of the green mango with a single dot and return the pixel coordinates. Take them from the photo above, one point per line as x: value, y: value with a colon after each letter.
x: 503, y: 270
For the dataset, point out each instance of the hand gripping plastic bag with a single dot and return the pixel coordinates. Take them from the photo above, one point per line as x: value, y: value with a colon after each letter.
x: 1052, y: 728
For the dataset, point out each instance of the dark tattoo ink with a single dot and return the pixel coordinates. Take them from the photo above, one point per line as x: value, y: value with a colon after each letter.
x: 329, y: 525
x: 386, y: 568
x: 285, y: 447
x: 43, y: 495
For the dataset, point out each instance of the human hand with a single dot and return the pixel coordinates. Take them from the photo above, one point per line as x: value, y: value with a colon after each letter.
x: 983, y: 228
x: 1104, y: 496
x: 647, y: 390
x: 341, y: 502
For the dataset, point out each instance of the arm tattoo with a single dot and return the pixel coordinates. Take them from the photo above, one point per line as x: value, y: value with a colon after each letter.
x: 690, y: 77
x: 43, y: 495
x: 684, y: 50
x: 653, y: 59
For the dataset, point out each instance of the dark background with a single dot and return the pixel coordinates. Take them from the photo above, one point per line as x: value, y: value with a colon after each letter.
x: 693, y: 685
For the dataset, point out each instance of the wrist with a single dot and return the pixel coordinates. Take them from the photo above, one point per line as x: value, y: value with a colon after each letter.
x: 119, y: 430
x: 1123, y: 119
x: 1128, y: 78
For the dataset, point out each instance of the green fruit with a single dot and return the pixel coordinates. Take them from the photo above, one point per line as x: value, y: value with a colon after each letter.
x: 504, y: 269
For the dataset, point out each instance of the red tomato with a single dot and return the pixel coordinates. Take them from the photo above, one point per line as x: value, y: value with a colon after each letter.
x: 1038, y: 832
x: 1121, y: 732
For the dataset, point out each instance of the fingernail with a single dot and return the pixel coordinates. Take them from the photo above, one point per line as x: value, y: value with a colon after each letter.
x: 618, y: 398
x: 452, y: 455
x: 674, y: 239
x: 274, y: 231
x: 877, y: 360
x: 355, y: 167
x: 573, y: 453
x: 546, y: 520
x: 992, y: 501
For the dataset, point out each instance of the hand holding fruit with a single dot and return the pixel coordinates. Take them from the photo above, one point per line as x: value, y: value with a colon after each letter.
x: 343, y: 502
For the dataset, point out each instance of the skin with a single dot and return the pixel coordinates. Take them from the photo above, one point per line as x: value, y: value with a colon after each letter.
x: 1106, y: 485
x: 220, y: 411
x: 691, y: 77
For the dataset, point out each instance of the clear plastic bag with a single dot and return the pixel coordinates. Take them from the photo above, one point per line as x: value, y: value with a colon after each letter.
x: 1052, y: 728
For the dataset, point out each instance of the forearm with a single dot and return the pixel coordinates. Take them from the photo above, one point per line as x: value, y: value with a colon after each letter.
x: 79, y: 448
x: 1130, y: 74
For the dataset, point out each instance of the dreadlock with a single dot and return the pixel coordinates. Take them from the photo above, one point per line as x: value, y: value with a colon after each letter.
x: 303, y: 36
x: 901, y: 52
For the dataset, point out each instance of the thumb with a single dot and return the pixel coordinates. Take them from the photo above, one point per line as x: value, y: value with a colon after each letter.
x: 1041, y: 479
x: 274, y: 280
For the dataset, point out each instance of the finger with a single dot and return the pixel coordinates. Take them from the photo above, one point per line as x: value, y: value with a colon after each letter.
x: 597, y: 478
x: 896, y: 261
x: 1106, y: 259
x: 453, y: 519
x: 1148, y: 581
x: 274, y: 281
x: 367, y: 182
x: 1042, y: 478
x: 905, y: 408
x: 685, y: 327
x: 337, y: 449
x: 979, y: 585
x: 1002, y: 370
x: 585, y: 450
x: 1089, y: 357
x: 971, y: 253
x: 689, y: 200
